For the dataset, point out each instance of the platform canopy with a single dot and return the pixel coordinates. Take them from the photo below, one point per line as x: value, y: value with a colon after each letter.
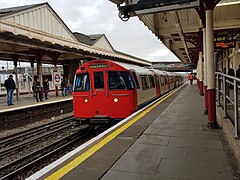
x: 178, y: 24
x: 28, y: 31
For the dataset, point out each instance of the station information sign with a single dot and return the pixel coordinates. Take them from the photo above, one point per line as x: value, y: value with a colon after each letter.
x: 56, y: 78
x: 225, y: 44
x: 140, y: 7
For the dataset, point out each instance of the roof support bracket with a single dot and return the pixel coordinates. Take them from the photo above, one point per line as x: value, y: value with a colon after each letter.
x: 180, y: 32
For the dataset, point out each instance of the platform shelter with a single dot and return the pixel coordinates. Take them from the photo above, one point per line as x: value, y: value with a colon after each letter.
x: 36, y: 34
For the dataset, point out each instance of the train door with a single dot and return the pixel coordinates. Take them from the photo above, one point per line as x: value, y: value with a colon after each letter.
x: 99, y: 92
x: 157, y: 85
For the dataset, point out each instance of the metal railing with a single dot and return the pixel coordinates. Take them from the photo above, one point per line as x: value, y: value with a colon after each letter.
x: 227, y: 96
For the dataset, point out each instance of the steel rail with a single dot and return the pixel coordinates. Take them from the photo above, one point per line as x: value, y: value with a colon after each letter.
x: 42, y: 154
x: 31, y: 132
x: 10, y: 150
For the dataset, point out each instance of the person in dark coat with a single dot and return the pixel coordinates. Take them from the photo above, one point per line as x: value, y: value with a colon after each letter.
x: 37, y: 90
x: 46, y: 87
x: 10, y: 86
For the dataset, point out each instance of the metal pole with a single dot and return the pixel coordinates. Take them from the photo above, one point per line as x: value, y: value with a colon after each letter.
x: 224, y: 97
x: 235, y: 109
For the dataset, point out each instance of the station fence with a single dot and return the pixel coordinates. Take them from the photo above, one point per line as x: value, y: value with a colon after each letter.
x: 228, y: 97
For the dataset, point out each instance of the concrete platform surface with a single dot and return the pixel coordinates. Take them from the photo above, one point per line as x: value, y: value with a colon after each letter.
x: 171, y: 142
x: 176, y: 146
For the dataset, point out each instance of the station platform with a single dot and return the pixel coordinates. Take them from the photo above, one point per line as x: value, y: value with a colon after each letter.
x: 26, y: 100
x: 27, y: 110
x: 168, y: 140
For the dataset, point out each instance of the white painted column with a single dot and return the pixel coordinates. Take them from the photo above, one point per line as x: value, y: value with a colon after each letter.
x: 205, y: 57
x: 211, y: 91
x: 205, y: 72
x: 210, y: 50
x: 200, y: 64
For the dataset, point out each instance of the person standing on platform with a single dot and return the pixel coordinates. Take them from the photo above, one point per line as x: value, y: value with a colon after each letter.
x: 46, y: 87
x: 64, y: 86
x: 190, y: 77
x: 10, y: 86
x: 37, y: 90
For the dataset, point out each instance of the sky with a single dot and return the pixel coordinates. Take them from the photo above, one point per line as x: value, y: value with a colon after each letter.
x: 101, y: 17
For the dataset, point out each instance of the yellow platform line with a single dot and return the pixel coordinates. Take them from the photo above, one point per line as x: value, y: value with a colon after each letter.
x: 82, y: 157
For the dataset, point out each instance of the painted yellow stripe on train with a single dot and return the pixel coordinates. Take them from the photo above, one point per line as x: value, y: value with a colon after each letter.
x: 82, y: 157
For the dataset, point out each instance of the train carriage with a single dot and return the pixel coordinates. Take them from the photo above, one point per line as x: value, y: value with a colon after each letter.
x: 104, y: 90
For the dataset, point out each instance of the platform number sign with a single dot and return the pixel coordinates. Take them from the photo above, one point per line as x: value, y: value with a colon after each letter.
x: 56, y: 78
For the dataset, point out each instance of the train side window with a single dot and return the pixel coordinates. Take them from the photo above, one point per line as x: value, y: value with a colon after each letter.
x: 98, y: 80
x: 151, y: 81
x: 145, y: 85
x: 82, y: 82
x: 162, y: 79
x: 165, y: 78
x: 135, y: 78
x: 120, y: 80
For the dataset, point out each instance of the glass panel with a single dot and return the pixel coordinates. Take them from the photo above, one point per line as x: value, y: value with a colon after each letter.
x: 120, y: 80
x: 162, y: 79
x: 82, y: 82
x: 136, y: 80
x: 98, y: 80
x: 152, y: 83
x: 145, y: 85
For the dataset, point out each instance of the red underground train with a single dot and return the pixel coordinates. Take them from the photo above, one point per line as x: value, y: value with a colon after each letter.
x: 105, y: 90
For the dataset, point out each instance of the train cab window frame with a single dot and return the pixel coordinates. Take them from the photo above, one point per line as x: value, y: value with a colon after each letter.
x: 81, y: 82
x: 120, y: 80
x: 145, y: 83
x: 98, y: 81
x: 136, y: 79
x: 151, y: 82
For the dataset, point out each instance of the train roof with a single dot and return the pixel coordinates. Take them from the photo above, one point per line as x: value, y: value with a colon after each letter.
x: 137, y: 69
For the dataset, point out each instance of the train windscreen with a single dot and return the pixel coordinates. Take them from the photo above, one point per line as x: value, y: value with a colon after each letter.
x: 120, y: 80
x: 82, y: 82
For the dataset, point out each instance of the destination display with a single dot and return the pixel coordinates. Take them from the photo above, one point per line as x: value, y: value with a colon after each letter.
x: 225, y: 44
x: 95, y: 66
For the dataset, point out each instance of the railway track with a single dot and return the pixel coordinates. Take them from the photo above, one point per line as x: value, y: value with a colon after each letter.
x: 18, y: 166
x: 25, y: 135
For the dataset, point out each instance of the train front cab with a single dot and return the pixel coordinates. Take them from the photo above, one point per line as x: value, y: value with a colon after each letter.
x: 103, y: 90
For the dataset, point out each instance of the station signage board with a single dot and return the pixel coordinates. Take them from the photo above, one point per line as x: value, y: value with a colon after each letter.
x: 56, y: 78
x: 140, y: 7
x: 225, y: 44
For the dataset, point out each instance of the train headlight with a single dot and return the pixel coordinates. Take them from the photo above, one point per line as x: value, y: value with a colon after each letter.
x: 85, y: 100
x: 115, y: 100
